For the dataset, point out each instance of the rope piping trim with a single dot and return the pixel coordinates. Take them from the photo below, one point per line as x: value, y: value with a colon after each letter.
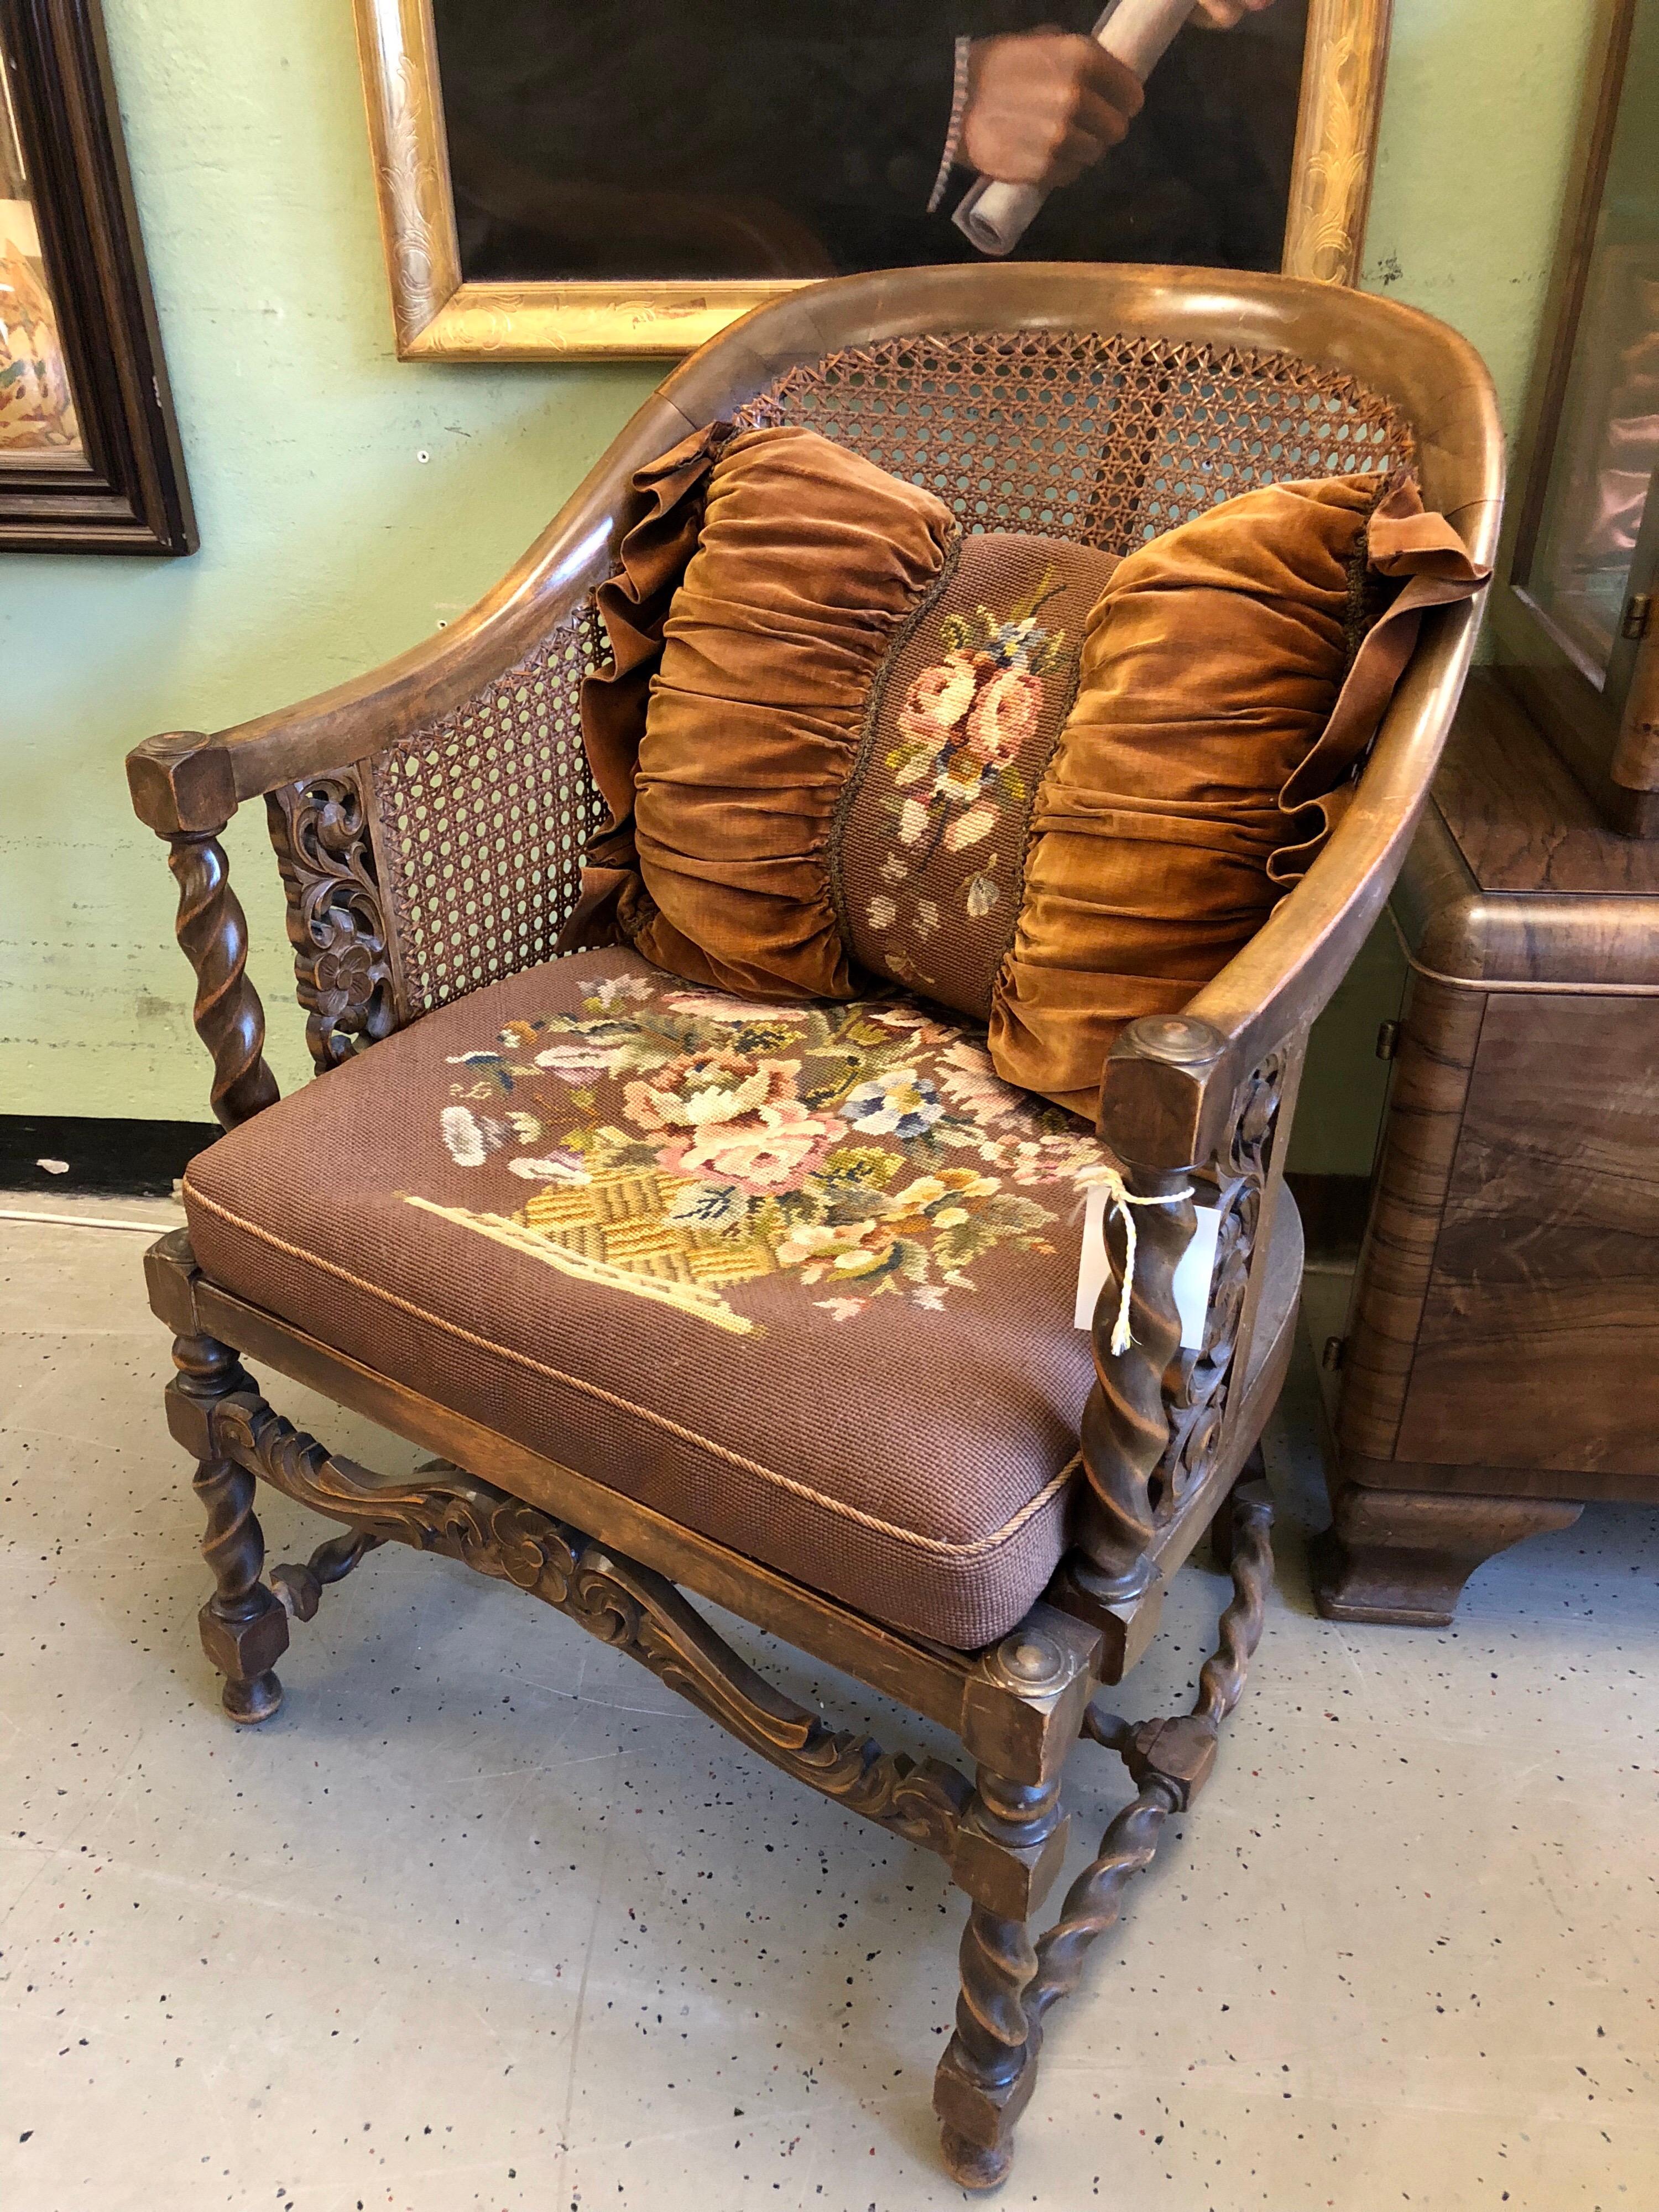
x: 910, y: 1538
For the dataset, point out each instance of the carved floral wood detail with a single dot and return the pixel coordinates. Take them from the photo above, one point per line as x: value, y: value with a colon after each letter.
x: 336, y: 916
x: 627, y: 1605
x: 1197, y: 1405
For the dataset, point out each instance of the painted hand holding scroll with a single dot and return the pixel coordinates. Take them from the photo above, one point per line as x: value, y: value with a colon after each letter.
x: 995, y: 214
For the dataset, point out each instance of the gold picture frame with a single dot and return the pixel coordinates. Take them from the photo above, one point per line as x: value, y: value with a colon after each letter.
x: 440, y: 317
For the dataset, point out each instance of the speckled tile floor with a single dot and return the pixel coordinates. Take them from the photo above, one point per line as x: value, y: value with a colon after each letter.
x: 486, y: 1918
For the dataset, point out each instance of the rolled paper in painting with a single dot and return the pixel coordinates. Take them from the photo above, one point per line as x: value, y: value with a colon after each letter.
x: 1136, y: 32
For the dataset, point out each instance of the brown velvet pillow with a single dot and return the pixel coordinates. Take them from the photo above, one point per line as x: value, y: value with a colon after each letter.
x: 1234, y: 672
x: 807, y: 561
x: 833, y: 745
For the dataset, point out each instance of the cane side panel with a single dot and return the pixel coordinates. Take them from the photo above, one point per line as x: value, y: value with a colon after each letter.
x: 482, y: 819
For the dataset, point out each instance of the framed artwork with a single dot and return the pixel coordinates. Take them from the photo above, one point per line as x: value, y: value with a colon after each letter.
x: 89, y: 455
x: 581, y: 178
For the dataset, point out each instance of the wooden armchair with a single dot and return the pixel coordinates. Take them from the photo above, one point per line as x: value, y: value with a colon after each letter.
x: 430, y: 821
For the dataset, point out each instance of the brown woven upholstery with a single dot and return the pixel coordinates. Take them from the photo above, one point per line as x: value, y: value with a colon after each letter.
x: 799, y: 1278
x: 1101, y: 438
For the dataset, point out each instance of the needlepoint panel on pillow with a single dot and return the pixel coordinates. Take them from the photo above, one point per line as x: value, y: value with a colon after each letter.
x: 928, y: 854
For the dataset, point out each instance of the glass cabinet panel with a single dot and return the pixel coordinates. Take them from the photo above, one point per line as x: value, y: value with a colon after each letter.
x: 1590, y: 550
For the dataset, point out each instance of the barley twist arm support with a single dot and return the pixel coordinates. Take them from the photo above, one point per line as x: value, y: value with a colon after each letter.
x: 1156, y: 1108
x: 1125, y: 1426
x: 212, y: 931
x: 183, y: 789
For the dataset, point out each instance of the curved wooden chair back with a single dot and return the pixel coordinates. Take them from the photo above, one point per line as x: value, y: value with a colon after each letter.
x: 1102, y: 402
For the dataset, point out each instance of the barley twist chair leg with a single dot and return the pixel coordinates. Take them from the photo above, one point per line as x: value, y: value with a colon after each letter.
x: 987, y: 2075
x: 1170, y: 1760
x: 1008, y: 1981
x: 243, y: 1629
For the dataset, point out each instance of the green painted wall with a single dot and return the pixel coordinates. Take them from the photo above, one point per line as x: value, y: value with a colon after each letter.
x: 1477, y: 127
x: 348, y: 504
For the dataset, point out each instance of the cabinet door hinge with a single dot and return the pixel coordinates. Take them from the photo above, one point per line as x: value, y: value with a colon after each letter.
x: 1336, y: 1349
x: 1387, y: 1040
x: 1637, y: 615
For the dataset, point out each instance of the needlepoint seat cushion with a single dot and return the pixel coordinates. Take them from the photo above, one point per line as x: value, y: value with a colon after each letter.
x: 799, y: 1276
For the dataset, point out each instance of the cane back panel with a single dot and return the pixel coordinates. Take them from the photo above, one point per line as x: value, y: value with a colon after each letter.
x: 479, y: 820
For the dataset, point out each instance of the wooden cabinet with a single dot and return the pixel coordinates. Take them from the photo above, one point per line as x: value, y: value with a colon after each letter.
x: 1501, y: 1360
x: 1500, y: 1364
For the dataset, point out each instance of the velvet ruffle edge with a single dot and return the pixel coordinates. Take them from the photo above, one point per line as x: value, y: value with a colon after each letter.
x: 664, y: 522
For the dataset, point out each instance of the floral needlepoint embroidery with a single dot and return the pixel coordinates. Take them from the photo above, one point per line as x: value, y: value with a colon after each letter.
x: 902, y: 1104
x: 679, y: 1145
x: 470, y: 1141
x: 963, y: 725
x: 953, y: 778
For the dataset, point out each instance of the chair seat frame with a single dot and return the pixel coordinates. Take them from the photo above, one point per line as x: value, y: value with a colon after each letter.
x: 1193, y: 1105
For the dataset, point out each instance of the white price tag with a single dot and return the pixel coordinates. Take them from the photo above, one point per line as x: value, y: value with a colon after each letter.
x: 1192, y: 1274
x: 1092, y: 1269
x: 1192, y: 1278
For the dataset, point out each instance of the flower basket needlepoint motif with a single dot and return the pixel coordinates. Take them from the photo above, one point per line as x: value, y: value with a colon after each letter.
x: 685, y: 1147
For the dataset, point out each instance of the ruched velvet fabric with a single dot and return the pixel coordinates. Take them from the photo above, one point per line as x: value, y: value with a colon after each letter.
x: 1211, y: 664
x: 789, y: 795
x: 1234, y: 672
x: 808, y: 561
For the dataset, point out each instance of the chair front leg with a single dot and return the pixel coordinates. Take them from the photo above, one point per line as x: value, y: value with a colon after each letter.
x: 1012, y: 1841
x: 243, y: 1628
x: 986, y: 2077
x: 1021, y: 1715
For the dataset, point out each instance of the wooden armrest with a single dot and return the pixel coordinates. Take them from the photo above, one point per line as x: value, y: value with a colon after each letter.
x: 194, y: 782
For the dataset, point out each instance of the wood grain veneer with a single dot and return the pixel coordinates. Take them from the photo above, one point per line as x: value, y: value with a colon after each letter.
x: 1504, y: 1342
x: 1545, y: 1275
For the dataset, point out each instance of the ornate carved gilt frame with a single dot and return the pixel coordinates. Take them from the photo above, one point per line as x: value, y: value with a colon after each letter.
x: 439, y: 318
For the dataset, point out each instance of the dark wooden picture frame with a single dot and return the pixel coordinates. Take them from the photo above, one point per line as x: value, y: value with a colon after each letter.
x: 128, y: 493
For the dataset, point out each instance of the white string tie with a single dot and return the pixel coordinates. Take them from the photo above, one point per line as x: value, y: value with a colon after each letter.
x: 1122, y: 1200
